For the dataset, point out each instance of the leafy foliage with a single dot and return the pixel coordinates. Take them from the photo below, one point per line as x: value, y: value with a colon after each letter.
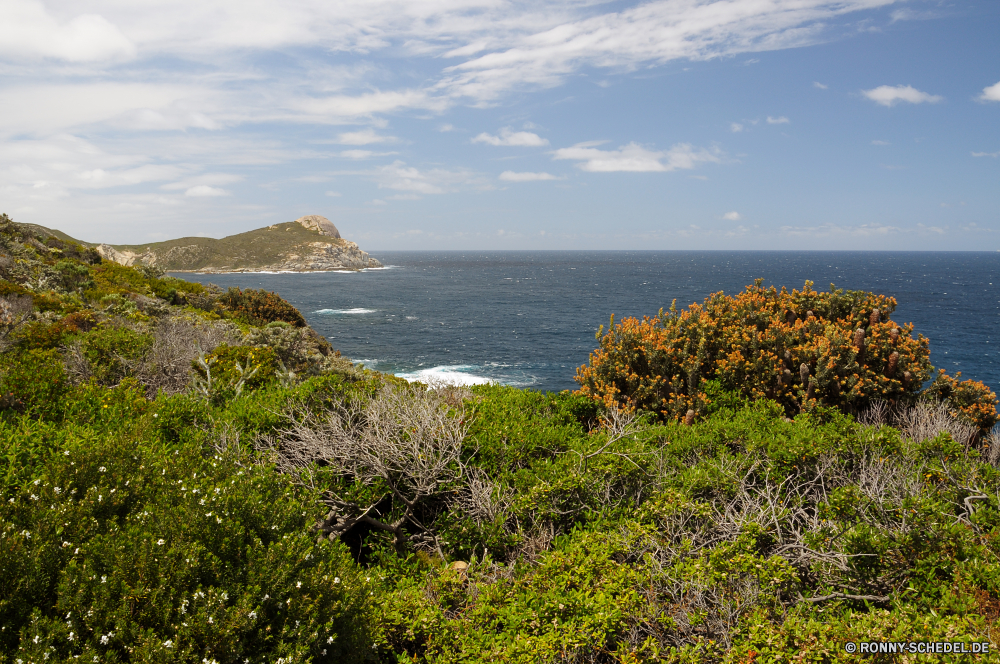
x: 259, y: 307
x: 805, y: 350
x: 308, y: 510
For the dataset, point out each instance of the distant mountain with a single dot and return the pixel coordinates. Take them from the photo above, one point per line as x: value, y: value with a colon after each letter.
x: 310, y: 243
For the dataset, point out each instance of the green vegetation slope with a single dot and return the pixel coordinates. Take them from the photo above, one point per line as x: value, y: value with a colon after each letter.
x: 191, y: 475
x: 287, y: 246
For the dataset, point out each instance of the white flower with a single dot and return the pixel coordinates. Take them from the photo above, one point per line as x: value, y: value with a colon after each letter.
x: 298, y: 585
x: 210, y: 620
x: 70, y: 637
x: 209, y: 514
x: 336, y: 579
x: 253, y: 615
x: 104, y: 579
x: 57, y: 490
x: 67, y: 454
x: 161, y: 542
x: 34, y: 497
x: 329, y: 639
x: 102, y: 469
x: 104, y: 640
x: 168, y: 644
x: 36, y: 482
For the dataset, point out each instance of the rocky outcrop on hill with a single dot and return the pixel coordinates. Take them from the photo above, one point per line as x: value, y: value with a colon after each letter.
x: 310, y: 243
x: 321, y: 225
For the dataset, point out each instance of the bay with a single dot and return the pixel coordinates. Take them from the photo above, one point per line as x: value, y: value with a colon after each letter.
x: 528, y: 318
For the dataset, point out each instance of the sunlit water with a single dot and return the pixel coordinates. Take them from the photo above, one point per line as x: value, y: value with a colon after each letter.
x: 528, y: 318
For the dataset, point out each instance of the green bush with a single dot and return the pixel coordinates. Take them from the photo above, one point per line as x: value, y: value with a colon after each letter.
x: 259, y: 307
x: 75, y: 275
x: 33, y: 382
x: 174, y: 290
x: 110, y: 277
x: 114, y: 353
x: 129, y: 554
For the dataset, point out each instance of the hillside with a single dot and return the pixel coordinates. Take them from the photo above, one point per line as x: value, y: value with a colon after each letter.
x: 190, y: 474
x: 310, y: 243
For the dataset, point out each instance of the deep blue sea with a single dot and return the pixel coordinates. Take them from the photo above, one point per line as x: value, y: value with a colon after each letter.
x: 528, y: 318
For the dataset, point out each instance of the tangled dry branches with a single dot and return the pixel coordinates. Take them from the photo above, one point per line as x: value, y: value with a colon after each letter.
x: 405, y: 437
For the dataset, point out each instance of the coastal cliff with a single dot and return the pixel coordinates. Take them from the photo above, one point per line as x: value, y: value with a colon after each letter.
x: 308, y: 244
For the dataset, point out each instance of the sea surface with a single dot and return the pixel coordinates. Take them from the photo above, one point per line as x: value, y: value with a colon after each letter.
x: 528, y: 319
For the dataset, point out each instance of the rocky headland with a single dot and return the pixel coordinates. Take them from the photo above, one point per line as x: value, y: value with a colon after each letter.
x: 308, y: 244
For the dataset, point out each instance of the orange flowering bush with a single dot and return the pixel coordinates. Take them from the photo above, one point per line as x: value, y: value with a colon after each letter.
x: 970, y: 400
x: 802, y: 349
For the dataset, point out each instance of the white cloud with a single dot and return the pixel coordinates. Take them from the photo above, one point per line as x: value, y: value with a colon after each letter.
x: 363, y: 154
x: 400, y: 177
x: 511, y: 176
x: 509, y: 137
x: 732, y: 216
x: 336, y: 109
x: 501, y: 45
x: 205, y: 190
x: 46, y: 109
x: 28, y: 31
x: 821, y: 86
x: 991, y: 93
x: 206, y: 179
x: 736, y: 127
x: 635, y: 158
x: 828, y: 230
x: 986, y: 154
x: 364, y: 137
x: 887, y: 95
x: 878, y: 142
x: 779, y: 120
x: 334, y: 194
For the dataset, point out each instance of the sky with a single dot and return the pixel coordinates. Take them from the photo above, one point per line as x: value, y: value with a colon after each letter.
x: 499, y: 124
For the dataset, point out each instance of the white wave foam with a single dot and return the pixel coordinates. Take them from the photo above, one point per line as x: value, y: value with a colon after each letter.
x: 345, y: 312
x: 449, y: 375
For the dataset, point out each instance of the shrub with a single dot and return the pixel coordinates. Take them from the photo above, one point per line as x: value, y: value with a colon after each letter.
x: 259, y: 307
x: 123, y: 553
x: 970, y: 400
x: 75, y: 275
x: 111, y: 277
x: 229, y: 364
x: 803, y: 349
x: 114, y: 352
x: 33, y: 382
x: 173, y: 290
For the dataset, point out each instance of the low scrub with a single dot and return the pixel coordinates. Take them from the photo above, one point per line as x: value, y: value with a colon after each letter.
x: 196, y: 477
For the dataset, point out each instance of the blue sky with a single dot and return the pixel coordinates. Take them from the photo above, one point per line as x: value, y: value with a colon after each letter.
x: 492, y: 124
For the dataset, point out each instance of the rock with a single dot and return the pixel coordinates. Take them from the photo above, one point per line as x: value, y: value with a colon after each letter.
x: 321, y: 225
x: 125, y: 257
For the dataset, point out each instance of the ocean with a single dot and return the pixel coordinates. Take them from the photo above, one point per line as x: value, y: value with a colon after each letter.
x: 528, y: 318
